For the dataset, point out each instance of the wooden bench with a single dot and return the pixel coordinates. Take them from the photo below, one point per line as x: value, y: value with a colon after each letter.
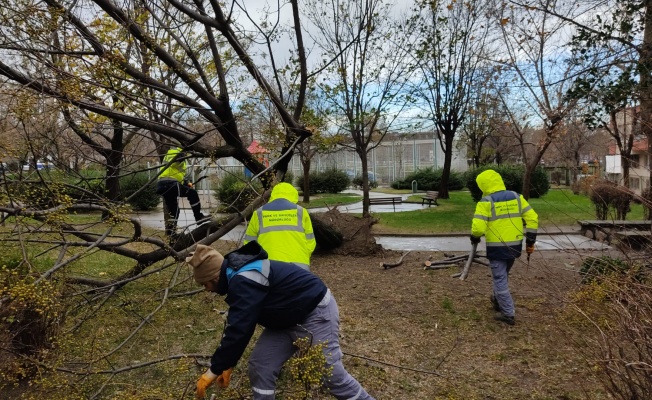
x: 430, y: 197
x: 608, y: 227
x: 634, y: 239
x: 385, y: 200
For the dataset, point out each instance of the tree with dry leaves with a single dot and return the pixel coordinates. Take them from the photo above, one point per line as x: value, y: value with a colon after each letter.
x: 366, y: 72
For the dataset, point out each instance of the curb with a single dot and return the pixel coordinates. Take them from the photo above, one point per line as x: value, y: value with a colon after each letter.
x: 462, y: 234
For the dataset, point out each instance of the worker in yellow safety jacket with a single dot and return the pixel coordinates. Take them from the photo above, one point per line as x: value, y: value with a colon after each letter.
x: 500, y: 216
x: 172, y: 184
x: 283, y: 228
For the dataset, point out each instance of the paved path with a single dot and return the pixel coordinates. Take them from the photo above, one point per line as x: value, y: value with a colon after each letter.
x: 549, y: 239
x: 462, y: 243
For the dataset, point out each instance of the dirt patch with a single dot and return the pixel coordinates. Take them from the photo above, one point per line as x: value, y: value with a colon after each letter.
x: 358, y: 241
x: 410, y: 333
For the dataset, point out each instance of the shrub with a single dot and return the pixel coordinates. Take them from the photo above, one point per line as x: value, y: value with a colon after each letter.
x: 595, y: 269
x: 608, y: 196
x: 556, y: 177
x: 614, y: 333
x: 288, y: 177
x: 146, y: 199
x: 39, y: 195
x: 235, y: 192
x: 30, y: 318
x: 357, y: 182
x: 430, y: 179
x: 512, y: 177
x: 329, y: 181
x: 584, y: 185
x: 646, y: 201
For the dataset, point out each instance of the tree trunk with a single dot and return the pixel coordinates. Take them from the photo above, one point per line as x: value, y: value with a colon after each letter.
x: 626, y: 164
x: 448, y: 160
x: 306, y: 180
x: 365, y: 183
x: 645, y: 73
x: 113, y: 163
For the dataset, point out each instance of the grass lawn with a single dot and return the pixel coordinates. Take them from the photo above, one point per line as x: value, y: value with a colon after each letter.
x: 330, y: 199
x: 560, y: 207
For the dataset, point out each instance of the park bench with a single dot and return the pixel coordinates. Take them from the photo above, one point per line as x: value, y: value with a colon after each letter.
x: 634, y: 238
x: 430, y: 197
x: 609, y: 227
x: 385, y: 200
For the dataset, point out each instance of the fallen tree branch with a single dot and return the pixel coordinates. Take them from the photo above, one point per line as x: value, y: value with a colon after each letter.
x: 440, y: 266
x: 465, y: 271
x: 396, y: 264
x: 423, y: 371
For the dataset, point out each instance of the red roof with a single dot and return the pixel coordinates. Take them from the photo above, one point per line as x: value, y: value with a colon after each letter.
x: 255, y: 148
x: 640, y: 146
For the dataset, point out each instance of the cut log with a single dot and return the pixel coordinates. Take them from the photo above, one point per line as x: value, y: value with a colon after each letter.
x: 396, y: 264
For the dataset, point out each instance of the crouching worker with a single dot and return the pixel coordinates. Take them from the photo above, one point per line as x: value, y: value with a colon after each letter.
x: 288, y: 301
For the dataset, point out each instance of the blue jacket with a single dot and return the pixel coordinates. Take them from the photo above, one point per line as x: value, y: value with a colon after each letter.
x: 274, y: 294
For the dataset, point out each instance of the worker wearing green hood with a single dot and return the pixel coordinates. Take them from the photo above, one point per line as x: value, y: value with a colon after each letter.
x: 283, y: 228
x: 504, y: 217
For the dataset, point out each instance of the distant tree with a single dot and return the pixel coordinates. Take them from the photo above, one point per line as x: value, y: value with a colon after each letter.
x: 365, y: 83
x: 532, y: 41
x: 450, y: 54
x: 620, y: 32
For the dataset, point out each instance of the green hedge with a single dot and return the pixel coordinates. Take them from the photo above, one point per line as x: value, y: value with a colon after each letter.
x: 146, y: 199
x: 329, y: 181
x: 430, y: 179
x: 357, y: 182
x: 235, y: 192
x: 512, y: 177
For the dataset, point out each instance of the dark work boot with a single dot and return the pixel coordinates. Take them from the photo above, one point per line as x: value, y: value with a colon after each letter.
x: 509, y: 320
x: 196, y: 211
x: 201, y: 218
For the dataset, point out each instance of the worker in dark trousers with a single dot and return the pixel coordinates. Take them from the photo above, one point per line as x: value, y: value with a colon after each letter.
x: 288, y: 301
x: 172, y: 184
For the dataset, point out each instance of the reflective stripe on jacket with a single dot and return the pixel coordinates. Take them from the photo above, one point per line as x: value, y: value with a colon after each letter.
x: 283, y: 228
x: 500, y: 216
x: 176, y: 170
x: 273, y: 294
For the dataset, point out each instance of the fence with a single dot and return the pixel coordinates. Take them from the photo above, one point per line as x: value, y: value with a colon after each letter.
x: 390, y: 161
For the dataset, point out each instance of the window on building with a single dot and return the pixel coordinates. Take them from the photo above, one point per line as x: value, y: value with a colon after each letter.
x: 635, y: 160
x: 634, y: 183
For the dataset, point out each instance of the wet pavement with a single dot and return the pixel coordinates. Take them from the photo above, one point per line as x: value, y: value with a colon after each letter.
x: 462, y: 243
x: 553, y: 238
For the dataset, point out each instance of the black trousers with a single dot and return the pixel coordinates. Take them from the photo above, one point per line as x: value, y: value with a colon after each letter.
x: 171, y: 191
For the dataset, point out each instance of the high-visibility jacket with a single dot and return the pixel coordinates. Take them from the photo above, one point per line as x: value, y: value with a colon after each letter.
x: 283, y: 228
x: 176, y: 170
x: 500, y: 216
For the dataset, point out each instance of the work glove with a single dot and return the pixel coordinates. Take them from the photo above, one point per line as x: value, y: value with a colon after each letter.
x: 204, y: 381
x: 475, y: 239
x: 187, y: 183
x: 529, y: 246
x: 224, y: 379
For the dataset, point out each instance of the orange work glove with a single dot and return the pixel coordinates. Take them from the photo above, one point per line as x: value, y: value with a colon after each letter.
x: 224, y: 379
x: 529, y: 249
x: 203, y: 383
